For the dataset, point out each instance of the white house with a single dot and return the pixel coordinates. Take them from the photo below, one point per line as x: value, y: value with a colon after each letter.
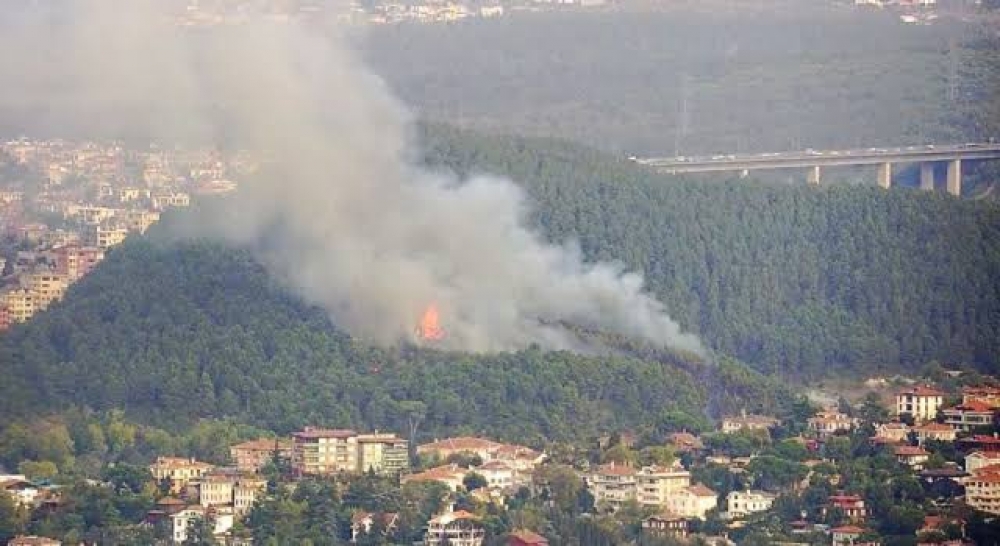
x: 742, y: 503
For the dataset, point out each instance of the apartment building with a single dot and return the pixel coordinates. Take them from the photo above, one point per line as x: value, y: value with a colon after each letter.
x: 252, y: 455
x: 46, y: 286
x: 20, y: 304
x: 317, y: 451
x: 655, y: 484
x: 383, y: 454
x: 922, y: 402
x: 75, y: 261
x: 613, y: 485
x: 982, y: 490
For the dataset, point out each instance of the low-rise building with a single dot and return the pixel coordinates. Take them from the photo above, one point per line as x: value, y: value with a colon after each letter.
x: 685, y: 442
x: 498, y: 474
x: 979, y: 459
x: 222, y: 521
x: 253, y: 455
x: 892, y: 433
x: 984, y: 394
x: 524, y: 537
x: 853, y: 506
x: 934, y: 431
x: 970, y: 415
x: 743, y: 503
x: 463, y: 445
x: 922, y: 402
x: 451, y: 475
x: 694, y: 501
x: 912, y: 456
x: 362, y: 523
x: 459, y: 528
x: 826, y: 423
x: 748, y: 422
x: 846, y: 535
x: 666, y: 524
x: 178, y: 470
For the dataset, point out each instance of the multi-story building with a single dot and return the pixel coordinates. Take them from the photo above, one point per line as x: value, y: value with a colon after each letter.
x: 46, y: 286
x: 6, y: 321
x: 655, y: 484
x: 892, y: 433
x: 498, y: 474
x: 934, y: 431
x: 922, y: 402
x: 455, y: 529
x: 139, y: 221
x: 252, y: 455
x: 826, y: 423
x: 20, y: 304
x: 318, y: 451
x: 613, y: 485
x: 983, y: 394
x: 383, y: 454
x: 178, y: 470
x: 853, y: 506
x: 107, y: 235
x: 467, y: 445
x: 912, y: 456
x: 969, y: 415
x: 980, y: 459
x: 222, y: 521
x: 748, y: 422
x: 694, y: 501
x: 75, y: 261
x: 666, y: 524
x: 982, y: 489
x: 743, y: 503
x: 451, y: 475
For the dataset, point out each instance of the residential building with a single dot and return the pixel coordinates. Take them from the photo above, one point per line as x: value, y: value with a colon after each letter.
x: 684, y: 442
x: 748, y: 422
x: 20, y: 304
x: 743, y: 503
x: 523, y: 537
x: 892, y: 433
x: 826, y: 423
x: 253, y: 455
x: 6, y: 321
x: 107, y: 235
x: 982, y: 490
x: 970, y: 415
x: 362, y: 523
x: 139, y: 221
x: 180, y: 522
x: 979, y: 459
x: 655, y: 484
x: 455, y: 529
x: 33, y: 540
x: 911, y: 456
x: 46, y: 286
x: 853, y: 506
x: 521, y: 458
x: 245, y: 493
x: 451, y: 475
x: 383, y: 454
x: 178, y: 470
x: 613, y: 485
x: 847, y: 535
x: 23, y: 492
x: 980, y: 442
x: 461, y: 445
x: 318, y: 451
x: 693, y: 501
x: 934, y: 431
x: 75, y: 261
x: 498, y: 474
x: 988, y: 395
x: 922, y: 402
x: 666, y: 524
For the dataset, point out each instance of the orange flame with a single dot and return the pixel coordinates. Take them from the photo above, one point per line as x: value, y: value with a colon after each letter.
x: 430, y: 325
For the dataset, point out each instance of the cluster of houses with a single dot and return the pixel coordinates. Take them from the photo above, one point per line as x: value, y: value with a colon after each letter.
x: 81, y: 200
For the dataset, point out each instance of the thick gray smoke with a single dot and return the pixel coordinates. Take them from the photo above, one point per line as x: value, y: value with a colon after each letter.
x: 344, y: 216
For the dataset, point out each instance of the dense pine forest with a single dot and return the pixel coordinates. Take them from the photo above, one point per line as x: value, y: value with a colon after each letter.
x: 798, y: 282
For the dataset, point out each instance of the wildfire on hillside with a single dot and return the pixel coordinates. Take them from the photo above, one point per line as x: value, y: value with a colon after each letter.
x: 430, y: 325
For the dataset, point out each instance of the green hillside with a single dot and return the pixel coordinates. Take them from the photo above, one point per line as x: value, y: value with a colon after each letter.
x: 173, y: 333
x: 794, y: 280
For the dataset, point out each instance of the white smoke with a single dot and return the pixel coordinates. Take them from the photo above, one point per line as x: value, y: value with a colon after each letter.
x: 344, y: 216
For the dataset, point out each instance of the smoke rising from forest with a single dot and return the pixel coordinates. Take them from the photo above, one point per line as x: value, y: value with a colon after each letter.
x: 341, y: 212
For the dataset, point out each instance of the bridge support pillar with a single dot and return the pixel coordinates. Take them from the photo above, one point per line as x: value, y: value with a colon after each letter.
x: 927, y: 176
x: 813, y: 175
x: 954, y: 183
x: 885, y: 175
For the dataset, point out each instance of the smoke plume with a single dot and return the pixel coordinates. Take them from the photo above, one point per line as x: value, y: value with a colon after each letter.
x: 342, y: 212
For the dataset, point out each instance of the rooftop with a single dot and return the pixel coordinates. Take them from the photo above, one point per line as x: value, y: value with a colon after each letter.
x: 314, y: 433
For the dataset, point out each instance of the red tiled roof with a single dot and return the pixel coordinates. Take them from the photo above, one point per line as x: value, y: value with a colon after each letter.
x: 922, y: 390
x: 263, y: 444
x: 985, y: 454
x: 982, y: 439
x: 529, y: 537
x: 972, y: 406
x: 934, y: 427
x: 700, y: 490
x: 849, y: 529
x: 615, y: 470
x: 461, y: 443
x: 911, y: 451
x: 983, y: 390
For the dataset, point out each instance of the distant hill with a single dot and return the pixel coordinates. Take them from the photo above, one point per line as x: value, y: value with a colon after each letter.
x: 794, y: 280
x: 798, y: 282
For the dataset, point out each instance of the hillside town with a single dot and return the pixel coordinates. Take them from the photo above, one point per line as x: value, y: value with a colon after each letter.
x: 934, y: 451
x: 64, y: 205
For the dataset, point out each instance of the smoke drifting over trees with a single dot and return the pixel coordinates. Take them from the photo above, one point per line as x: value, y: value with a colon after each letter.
x: 341, y: 212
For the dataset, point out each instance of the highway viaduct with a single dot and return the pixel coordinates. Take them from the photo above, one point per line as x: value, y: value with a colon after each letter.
x: 814, y: 160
